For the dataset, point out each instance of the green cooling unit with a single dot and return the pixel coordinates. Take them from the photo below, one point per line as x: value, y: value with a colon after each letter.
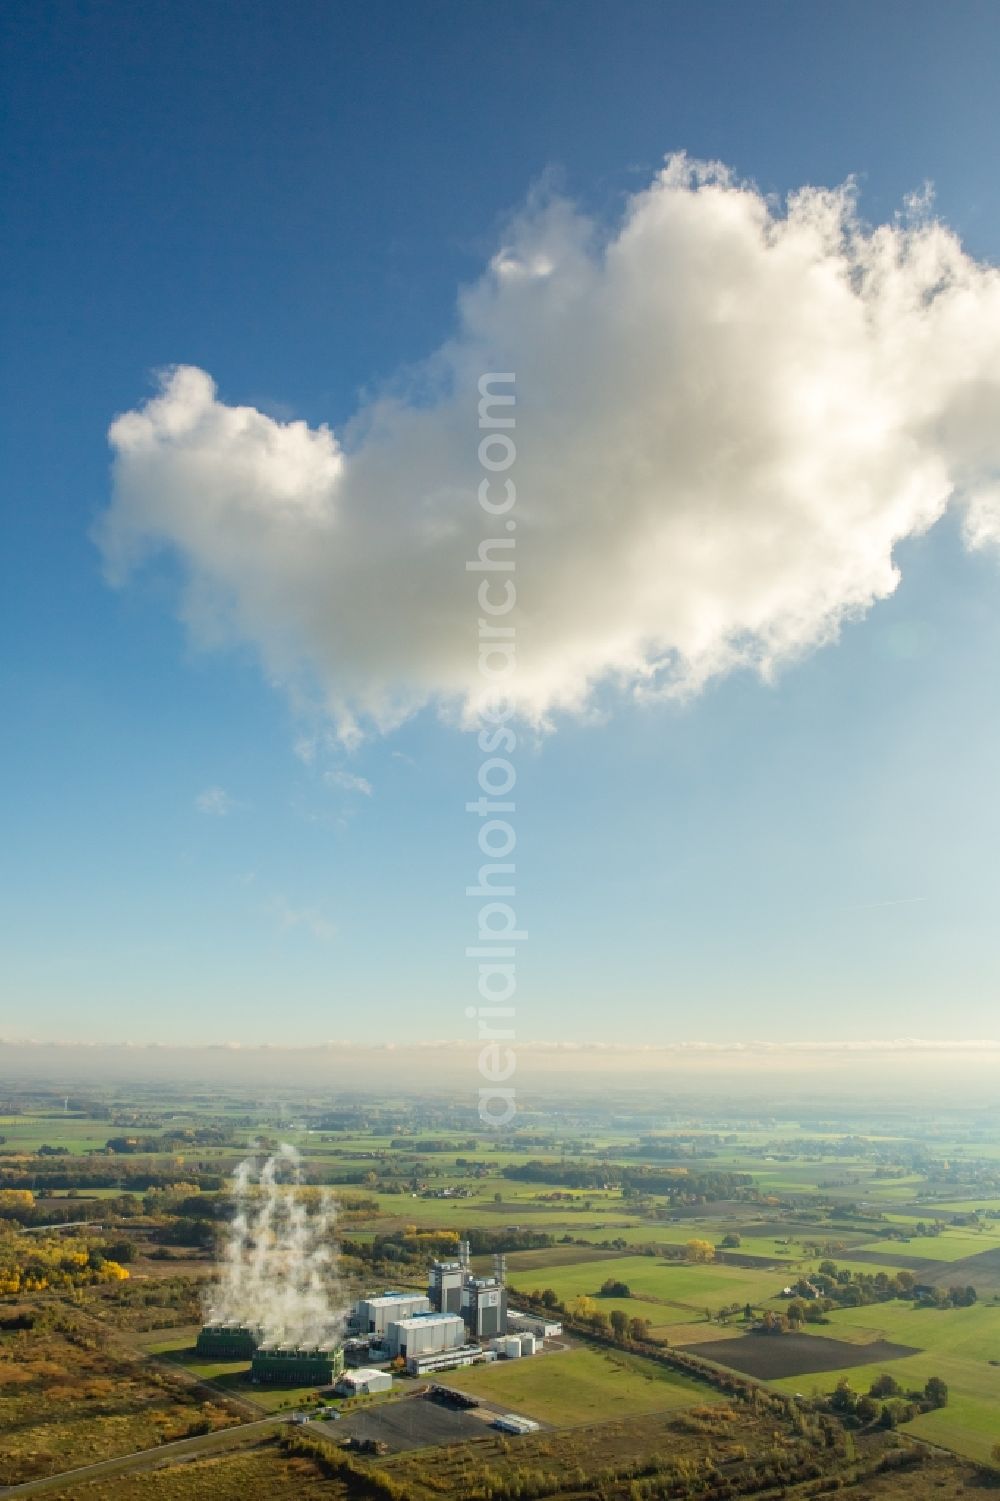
x: 297, y: 1365
x: 227, y: 1342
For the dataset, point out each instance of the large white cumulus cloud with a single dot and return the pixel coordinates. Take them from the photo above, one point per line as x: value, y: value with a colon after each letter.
x: 728, y: 414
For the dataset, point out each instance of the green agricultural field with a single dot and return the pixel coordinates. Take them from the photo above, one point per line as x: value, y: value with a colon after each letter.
x: 886, y: 1195
x: 580, y: 1387
x: 83, y: 1194
x: 759, y: 1245
x: 969, y: 1333
x: 658, y: 1314
x: 461, y: 1214
x: 963, y: 1206
x: 547, y: 1257
x: 968, y: 1425
x: 695, y: 1332
x: 26, y: 1133
x: 957, y: 1344
x: 950, y: 1245
x: 859, y: 1268
x: 655, y: 1280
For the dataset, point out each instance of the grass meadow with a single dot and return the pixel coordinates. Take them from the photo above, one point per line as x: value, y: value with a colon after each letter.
x: 655, y: 1280
x: 580, y: 1386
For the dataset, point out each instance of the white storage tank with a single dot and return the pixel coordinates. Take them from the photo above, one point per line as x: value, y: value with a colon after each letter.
x: 528, y: 1343
x: 510, y: 1346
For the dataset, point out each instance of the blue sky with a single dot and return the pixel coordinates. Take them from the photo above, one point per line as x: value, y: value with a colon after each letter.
x: 289, y: 197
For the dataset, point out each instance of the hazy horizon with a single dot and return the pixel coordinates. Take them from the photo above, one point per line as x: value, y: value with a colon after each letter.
x: 947, y: 1075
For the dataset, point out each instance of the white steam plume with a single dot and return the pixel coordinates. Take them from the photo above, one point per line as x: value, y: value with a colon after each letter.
x: 278, y: 1268
x: 729, y: 414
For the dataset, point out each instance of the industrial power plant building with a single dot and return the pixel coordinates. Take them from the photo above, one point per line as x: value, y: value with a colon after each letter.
x: 375, y: 1315
x: 227, y: 1341
x: 425, y: 1334
x: 484, y: 1306
x: 448, y: 1327
x: 445, y: 1360
x: 271, y: 1362
x: 482, y: 1301
x: 297, y: 1365
x: 542, y: 1328
x: 444, y: 1285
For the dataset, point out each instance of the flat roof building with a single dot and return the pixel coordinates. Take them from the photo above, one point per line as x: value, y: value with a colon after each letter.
x: 374, y: 1315
x: 445, y: 1360
x: 534, y: 1323
x: 363, y: 1381
x: 425, y: 1334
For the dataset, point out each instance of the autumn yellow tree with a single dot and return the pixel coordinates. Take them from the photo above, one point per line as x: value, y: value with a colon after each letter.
x: 32, y: 1263
x: 13, y: 1199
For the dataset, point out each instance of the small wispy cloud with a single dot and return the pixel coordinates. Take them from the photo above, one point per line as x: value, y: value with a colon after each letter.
x: 348, y: 781
x: 309, y: 920
x: 316, y: 750
x: 216, y: 802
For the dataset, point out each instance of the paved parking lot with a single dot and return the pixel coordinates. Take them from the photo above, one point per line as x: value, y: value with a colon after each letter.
x: 410, y: 1423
